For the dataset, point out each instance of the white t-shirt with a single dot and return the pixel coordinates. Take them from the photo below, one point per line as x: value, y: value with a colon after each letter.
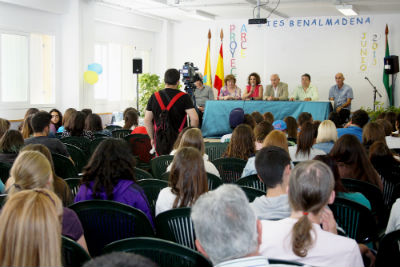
x: 208, y: 165
x: 393, y: 142
x: 394, y: 219
x: 165, y: 200
x: 302, y: 157
x: 328, y: 249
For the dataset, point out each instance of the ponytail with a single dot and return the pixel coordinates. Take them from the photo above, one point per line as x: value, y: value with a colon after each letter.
x: 301, y: 236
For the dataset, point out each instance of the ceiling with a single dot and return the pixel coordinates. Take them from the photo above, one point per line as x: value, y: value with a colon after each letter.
x: 181, y: 10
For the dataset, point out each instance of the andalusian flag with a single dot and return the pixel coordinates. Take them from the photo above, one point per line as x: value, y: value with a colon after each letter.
x: 207, y: 67
x: 219, y: 75
x: 385, y: 75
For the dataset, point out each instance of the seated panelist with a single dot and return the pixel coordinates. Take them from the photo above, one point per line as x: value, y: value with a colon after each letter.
x: 230, y: 91
x: 277, y: 90
x: 306, y: 91
x: 254, y: 89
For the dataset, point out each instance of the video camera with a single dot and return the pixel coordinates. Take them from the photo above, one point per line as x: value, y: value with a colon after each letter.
x: 189, y: 76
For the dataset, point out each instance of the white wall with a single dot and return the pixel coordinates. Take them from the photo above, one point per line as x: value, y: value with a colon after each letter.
x: 77, y: 25
x: 321, y: 51
x: 20, y: 19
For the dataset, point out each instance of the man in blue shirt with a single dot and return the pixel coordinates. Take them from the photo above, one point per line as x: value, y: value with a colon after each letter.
x: 355, y: 125
x: 341, y: 93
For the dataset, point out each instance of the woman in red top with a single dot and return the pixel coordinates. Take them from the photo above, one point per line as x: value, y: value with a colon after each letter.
x: 254, y: 89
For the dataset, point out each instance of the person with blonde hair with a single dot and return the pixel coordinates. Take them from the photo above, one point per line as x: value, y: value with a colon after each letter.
x: 60, y: 187
x: 30, y: 232
x: 301, y: 237
x: 274, y: 138
x: 327, y: 136
x: 193, y: 138
x: 32, y: 170
x: 187, y: 181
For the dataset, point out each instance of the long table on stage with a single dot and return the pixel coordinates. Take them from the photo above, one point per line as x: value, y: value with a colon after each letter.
x: 216, y: 114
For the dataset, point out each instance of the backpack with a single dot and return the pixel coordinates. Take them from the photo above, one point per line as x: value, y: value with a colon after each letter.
x: 164, y: 134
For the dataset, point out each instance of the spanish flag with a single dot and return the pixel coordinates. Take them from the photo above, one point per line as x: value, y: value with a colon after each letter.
x: 219, y: 75
x: 207, y: 67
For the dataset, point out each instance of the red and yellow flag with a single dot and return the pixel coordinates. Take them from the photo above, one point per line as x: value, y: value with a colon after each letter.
x: 219, y: 74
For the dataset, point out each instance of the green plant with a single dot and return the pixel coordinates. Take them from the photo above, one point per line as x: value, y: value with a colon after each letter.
x: 379, y: 109
x: 149, y: 83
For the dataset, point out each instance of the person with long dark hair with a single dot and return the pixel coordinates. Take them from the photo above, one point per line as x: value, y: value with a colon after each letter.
x: 304, y: 149
x: 340, y: 190
x: 301, y: 237
x: 187, y: 181
x: 353, y: 161
x: 75, y: 126
x: 110, y: 175
x: 242, y: 144
x: 56, y: 120
x: 10, y: 145
x: 94, y: 124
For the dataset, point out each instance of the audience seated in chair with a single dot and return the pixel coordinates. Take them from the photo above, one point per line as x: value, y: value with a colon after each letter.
x: 41, y: 128
x: 355, y: 125
x: 67, y: 115
x: 242, y: 144
x: 353, y: 162
x: 75, y: 126
x: 193, y: 138
x: 60, y: 187
x: 304, y: 149
x: 31, y: 229
x: 10, y: 144
x: 110, y: 175
x: 274, y: 138
x: 291, y: 125
x: 25, y: 127
x: 4, y: 126
x: 236, y: 117
x: 233, y: 235
x: 119, y: 259
x: 94, y: 124
x: 340, y: 190
x: 372, y: 132
x: 261, y: 131
x: 187, y: 181
x: 273, y: 168
x: 56, y: 120
x: 300, y: 237
x: 32, y: 170
x: 326, y: 137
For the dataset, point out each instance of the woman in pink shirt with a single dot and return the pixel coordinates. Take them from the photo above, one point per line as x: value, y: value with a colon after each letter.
x: 254, y: 89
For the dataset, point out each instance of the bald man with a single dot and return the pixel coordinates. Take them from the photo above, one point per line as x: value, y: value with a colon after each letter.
x: 341, y: 94
x: 277, y: 90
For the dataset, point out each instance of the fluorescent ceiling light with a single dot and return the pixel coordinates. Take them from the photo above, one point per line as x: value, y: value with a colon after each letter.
x: 201, y: 15
x: 347, y: 10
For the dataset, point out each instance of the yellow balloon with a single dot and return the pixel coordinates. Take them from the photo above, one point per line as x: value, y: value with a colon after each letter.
x: 91, y: 77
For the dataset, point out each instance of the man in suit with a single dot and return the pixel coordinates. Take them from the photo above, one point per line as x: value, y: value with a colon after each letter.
x: 277, y: 90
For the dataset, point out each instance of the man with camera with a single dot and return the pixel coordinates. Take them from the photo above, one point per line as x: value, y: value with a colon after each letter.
x: 202, y: 93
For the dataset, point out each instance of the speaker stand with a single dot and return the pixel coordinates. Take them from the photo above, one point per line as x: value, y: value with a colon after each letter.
x: 137, y: 92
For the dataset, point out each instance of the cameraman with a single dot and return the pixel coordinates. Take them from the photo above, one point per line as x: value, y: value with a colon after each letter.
x: 202, y: 94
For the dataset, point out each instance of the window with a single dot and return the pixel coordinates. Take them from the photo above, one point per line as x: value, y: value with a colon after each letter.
x: 27, y: 68
x: 117, y: 82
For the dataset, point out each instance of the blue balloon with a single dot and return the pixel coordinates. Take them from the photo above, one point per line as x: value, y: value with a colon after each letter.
x: 96, y: 67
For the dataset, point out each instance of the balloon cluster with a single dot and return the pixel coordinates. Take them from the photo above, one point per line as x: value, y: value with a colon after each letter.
x: 91, y: 76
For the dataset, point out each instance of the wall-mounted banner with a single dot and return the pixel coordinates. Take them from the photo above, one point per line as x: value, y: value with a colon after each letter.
x: 318, y: 22
x: 368, y: 49
x: 243, y: 40
x: 232, y: 48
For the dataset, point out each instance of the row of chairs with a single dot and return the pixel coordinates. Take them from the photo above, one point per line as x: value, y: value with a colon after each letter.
x: 115, y: 221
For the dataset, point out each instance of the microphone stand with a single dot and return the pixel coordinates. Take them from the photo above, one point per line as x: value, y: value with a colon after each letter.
x: 375, y: 91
